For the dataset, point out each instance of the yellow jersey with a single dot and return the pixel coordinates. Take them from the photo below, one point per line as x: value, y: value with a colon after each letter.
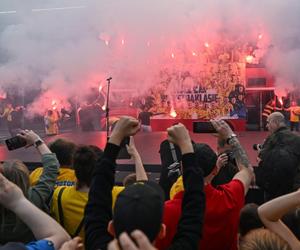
x: 177, y: 187
x: 73, y: 203
x: 66, y: 177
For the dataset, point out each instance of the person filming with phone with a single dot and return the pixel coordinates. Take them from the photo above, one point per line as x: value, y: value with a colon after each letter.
x: 12, y: 228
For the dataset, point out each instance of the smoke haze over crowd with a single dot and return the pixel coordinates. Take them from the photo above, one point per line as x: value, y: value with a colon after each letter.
x: 64, y: 46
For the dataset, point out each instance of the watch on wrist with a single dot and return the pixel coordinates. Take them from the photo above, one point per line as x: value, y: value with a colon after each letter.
x: 230, y: 138
x: 38, y: 143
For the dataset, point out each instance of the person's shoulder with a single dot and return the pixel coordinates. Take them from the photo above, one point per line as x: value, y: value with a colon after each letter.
x: 35, y: 175
x: 66, y: 177
x: 234, y: 190
x: 118, y: 189
x: 40, y: 244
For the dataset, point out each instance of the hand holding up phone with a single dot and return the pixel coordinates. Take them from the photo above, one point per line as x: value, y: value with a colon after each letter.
x: 24, y: 138
x: 29, y: 136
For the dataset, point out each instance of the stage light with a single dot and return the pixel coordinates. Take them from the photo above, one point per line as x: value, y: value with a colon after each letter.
x: 206, y: 45
x: 249, y: 59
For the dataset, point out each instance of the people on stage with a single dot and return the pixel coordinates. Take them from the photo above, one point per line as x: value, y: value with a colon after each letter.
x: 51, y: 122
x: 144, y: 118
x: 7, y: 115
x: 294, y: 110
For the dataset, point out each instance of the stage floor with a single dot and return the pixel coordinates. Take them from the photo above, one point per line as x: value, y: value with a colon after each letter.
x: 146, y: 143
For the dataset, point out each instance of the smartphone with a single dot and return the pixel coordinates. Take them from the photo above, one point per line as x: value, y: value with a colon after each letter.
x: 203, y: 127
x: 15, y: 143
x: 123, y: 154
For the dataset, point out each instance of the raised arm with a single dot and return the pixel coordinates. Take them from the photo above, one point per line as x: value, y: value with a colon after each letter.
x: 139, y: 167
x: 245, y: 175
x: 98, y: 211
x: 46, y: 182
x: 193, y: 204
x: 189, y: 229
x: 42, y: 225
x: 271, y: 212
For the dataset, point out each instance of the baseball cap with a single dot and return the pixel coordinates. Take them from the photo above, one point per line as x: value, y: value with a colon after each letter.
x: 139, y: 206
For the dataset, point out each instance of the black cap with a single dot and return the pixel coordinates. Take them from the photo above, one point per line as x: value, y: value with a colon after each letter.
x: 139, y: 206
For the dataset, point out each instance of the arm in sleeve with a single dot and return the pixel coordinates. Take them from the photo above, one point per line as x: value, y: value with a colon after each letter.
x: 98, y: 211
x: 190, y: 224
x: 42, y: 191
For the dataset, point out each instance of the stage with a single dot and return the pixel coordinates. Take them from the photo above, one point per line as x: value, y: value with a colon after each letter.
x: 161, y: 124
x: 146, y: 143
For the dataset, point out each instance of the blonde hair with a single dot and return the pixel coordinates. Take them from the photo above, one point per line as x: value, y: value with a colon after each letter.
x: 18, y: 173
x: 263, y: 239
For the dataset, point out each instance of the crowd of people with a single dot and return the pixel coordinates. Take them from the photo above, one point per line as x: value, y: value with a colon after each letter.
x: 73, y: 202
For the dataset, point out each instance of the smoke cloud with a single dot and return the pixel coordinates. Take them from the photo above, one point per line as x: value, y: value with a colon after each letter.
x: 65, y: 47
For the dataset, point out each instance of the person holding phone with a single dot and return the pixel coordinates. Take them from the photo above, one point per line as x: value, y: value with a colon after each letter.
x: 12, y: 228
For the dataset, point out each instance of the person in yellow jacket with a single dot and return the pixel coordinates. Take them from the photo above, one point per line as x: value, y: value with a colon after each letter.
x: 51, y: 122
x: 7, y: 114
x: 68, y: 203
x: 64, y: 150
x: 294, y: 115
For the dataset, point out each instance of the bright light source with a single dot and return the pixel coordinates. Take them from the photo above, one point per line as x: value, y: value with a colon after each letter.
x: 249, y: 59
x: 123, y: 41
x: 260, y: 36
x: 103, y: 107
x: 194, y: 53
x: 173, y: 113
x: 100, y: 88
x: 206, y: 45
x: 172, y: 55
